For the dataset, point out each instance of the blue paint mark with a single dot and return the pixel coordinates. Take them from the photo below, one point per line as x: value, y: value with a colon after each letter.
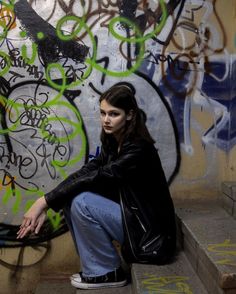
x: 175, y: 90
x: 96, y: 153
x: 224, y: 92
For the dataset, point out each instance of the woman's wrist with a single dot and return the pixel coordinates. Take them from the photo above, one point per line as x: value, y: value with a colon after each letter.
x: 42, y: 202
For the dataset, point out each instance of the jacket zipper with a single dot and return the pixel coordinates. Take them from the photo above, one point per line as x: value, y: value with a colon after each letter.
x: 150, y: 243
x: 131, y: 246
x: 141, y: 224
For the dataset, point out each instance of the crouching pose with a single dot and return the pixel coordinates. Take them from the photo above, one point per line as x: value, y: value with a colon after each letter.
x: 121, y: 195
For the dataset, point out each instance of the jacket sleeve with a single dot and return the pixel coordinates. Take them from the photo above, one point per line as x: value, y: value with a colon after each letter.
x: 95, y: 173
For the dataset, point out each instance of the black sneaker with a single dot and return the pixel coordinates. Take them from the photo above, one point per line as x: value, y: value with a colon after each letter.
x: 116, y: 278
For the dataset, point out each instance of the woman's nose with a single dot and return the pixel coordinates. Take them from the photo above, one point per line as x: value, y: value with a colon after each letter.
x: 106, y: 118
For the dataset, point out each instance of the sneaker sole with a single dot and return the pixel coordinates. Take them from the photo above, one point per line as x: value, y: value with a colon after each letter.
x: 75, y: 276
x: 98, y: 286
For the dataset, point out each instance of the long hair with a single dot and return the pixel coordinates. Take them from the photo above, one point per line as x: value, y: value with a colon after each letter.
x: 122, y: 95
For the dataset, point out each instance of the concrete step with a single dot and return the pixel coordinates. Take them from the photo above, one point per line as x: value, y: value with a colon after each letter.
x: 228, y: 197
x: 209, y: 241
x: 55, y: 284
x: 177, y: 277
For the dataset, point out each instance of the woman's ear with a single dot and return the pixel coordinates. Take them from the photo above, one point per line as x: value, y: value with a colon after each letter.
x: 130, y: 115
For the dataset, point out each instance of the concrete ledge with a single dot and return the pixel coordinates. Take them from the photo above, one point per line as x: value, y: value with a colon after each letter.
x: 55, y: 284
x: 60, y: 284
x: 209, y: 240
x: 178, y: 277
x: 229, y: 197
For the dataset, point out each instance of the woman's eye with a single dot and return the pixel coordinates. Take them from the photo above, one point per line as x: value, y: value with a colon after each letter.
x: 114, y: 114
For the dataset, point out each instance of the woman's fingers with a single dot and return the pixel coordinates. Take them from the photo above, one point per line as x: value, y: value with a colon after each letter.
x: 23, y: 231
x: 41, y: 220
x: 38, y: 227
x: 31, y: 225
x: 24, y: 223
x: 34, y: 218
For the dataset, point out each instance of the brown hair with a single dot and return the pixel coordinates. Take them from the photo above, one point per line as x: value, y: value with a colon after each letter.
x: 122, y: 95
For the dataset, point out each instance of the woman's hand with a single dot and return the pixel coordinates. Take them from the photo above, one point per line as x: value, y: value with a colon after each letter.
x: 33, y: 218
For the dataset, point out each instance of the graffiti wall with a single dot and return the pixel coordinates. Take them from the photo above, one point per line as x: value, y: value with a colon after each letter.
x: 58, y: 56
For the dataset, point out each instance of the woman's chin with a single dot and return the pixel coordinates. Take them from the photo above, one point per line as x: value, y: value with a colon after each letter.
x: 107, y: 131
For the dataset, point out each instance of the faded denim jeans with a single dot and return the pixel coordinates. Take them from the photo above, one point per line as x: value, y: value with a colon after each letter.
x: 94, y: 222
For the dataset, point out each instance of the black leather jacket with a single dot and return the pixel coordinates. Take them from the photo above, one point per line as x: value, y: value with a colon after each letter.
x: 137, y: 166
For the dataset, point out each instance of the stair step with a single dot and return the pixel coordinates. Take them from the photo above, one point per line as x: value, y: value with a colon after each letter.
x: 61, y: 284
x: 177, y: 277
x: 209, y: 242
x: 229, y: 197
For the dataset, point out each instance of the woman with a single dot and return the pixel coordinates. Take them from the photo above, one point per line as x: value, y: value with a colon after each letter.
x: 121, y: 195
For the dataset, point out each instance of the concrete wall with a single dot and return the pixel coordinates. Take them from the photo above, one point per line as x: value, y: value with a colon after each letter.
x: 55, y: 59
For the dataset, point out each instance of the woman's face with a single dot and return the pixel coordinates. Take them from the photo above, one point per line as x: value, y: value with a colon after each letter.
x: 113, y: 119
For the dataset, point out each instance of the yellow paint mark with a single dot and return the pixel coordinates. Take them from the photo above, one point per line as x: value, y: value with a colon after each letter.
x: 166, y: 285
x: 8, y: 18
x: 7, y: 182
x: 226, y: 250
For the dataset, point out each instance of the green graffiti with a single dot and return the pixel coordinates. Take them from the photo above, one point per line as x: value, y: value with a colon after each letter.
x: 157, y: 29
x: 6, y: 196
x: 76, y: 125
x: 82, y: 25
x: 17, y: 199
x: 6, y: 103
x: 4, y: 33
x: 54, y: 218
x: 61, y: 88
x: 9, y: 5
x: 74, y: 33
x: 34, y: 53
x: 16, y: 205
x: 23, y: 34
x: 80, y: 132
x: 52, y: 67
x: 78, y: 157
x: 14, y: 108
x: 17, y: 196
x: 7, y: 64
x: 134, y: 67
x: 40, y: 36
x: 91, y: 62
x: 130, y: 24
x: 28, y: 60
x: 77, y: 131
x: 30, y: 202
x: 62, y: 172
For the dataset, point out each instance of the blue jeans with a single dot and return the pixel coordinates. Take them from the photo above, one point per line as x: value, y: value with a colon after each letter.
x: 94, y: 222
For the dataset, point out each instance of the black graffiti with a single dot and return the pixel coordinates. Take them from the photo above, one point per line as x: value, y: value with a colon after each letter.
x: 51, y: 47
x: 73, y: 72
x: 8, y: 159
x: 172, y: 62
x: 37, y: 118
x: 12, y: 164
x: 127, y: 8
x: 17, y: 61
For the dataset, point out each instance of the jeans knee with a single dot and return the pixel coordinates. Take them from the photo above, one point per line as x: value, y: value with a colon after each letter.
x: 79, y: 204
